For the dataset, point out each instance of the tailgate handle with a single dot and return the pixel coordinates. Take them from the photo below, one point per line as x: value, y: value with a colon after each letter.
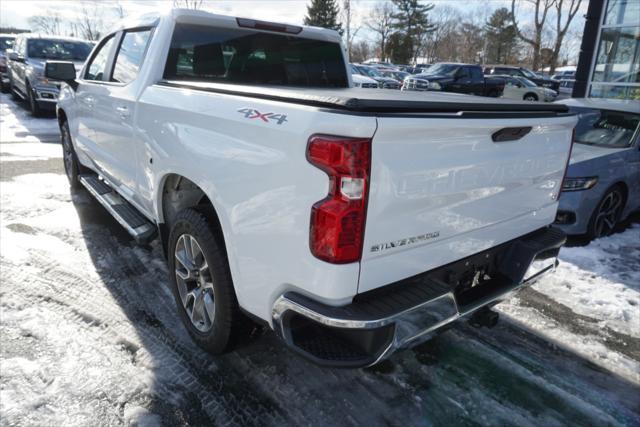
x: 510, y: 134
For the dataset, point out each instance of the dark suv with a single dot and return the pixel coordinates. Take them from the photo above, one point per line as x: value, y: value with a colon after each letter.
x: 523, y: 72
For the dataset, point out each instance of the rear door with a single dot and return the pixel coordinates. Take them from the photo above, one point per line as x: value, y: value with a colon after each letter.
x: 442, y: 189
x: 114, y: 112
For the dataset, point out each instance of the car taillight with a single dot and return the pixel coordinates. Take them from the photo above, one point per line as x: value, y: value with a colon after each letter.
x: 338, y: 220
x: 566, y: 166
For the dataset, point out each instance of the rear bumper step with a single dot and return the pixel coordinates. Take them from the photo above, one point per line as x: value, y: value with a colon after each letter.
x: 133, y: 221
x: 403, y: 314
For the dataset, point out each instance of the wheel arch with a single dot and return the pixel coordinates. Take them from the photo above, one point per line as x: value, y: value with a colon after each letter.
x: 177, y: 193
x: 535, y: 95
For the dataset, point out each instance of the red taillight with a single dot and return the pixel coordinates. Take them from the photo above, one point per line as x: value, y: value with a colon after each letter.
x: 566, y: 166
x: 337, y: 221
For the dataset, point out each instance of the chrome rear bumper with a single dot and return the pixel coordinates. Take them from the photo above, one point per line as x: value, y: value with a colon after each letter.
x: 365, y: 333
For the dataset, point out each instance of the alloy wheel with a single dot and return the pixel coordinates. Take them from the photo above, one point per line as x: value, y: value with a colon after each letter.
x: 195, y: 283
x: 608, y: 214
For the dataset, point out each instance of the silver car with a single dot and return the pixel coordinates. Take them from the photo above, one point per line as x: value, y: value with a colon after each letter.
x: 6, y: 42
x: 602, y: 186
x: 26, y: 63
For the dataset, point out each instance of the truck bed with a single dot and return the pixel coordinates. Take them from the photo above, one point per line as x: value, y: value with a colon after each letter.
x: 377, y: 101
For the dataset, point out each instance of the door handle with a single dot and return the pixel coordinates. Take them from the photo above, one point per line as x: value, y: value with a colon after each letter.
x: 123, y: 111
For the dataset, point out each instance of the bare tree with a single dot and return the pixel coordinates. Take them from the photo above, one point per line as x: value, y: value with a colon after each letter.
x: 119, y: 10
x: 347, y: 20
x: 561, y: 29
x: 49, y: 23
x: 542, y: 8
x: 188, y: 4
x: 360, y: 52
x: 379, y: 22
x: 90, y: 20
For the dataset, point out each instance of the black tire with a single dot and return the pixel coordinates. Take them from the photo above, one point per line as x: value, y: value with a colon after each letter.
x: 12, y: 90
x: 35, y: 109
x: 530, y: 97
x: 607, y: 214
x: 72, y: 167
x: 228, y: 323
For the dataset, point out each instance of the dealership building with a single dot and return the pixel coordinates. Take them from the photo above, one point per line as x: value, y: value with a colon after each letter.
x: 609, y: 64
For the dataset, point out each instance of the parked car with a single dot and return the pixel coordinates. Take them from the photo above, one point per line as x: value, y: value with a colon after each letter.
x: 523, y: 72
x: 525, y: 89
x: 6, y: 42
x: 26, y: 67
x: 414, y: 70
x: 320, y: 210
x: 566, y: 87
x: 454, y: 77
x: 602, y: 186
x: 564, y: 75
x: 363, y: 82
x: 396, y: 75
x: 383, y: 82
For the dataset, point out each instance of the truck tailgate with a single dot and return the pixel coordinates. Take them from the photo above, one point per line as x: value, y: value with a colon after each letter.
x: 442, y: 189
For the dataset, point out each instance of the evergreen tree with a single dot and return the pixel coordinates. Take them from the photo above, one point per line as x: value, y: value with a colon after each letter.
x: 323, y: 13
x: 501, y: 37
x: 411, y: 22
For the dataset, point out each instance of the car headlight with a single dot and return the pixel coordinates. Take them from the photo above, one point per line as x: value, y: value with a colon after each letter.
x: 577, y: 184
x: 435, y: 86
x: 42, y: 81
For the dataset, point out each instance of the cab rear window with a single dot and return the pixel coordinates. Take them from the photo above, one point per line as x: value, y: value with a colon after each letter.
x: 239, y: 56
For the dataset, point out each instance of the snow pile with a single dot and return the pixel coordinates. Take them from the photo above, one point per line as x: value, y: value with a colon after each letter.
x: 602, y: 281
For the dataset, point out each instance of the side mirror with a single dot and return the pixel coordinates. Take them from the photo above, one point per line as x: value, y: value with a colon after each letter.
x: 61, y: 70
x: 14, y: 56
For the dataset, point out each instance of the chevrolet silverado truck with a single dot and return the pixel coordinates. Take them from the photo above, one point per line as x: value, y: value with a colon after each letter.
x: 454, y: 77
x: 353, y: 222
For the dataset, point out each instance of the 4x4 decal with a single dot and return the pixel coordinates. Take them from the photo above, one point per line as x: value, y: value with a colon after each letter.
x: 250, y: 113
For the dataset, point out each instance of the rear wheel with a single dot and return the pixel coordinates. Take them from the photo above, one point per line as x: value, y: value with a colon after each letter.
x: 530, y: 97
x: 607, y: 214
x: 202, y: 284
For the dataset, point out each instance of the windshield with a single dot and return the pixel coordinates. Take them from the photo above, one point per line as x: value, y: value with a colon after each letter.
x: 6, y: 43
x: 605, y: 128
x: 441, y: 69
x: 371, y: 72
x: 527, y: 82
x: 529, y: 74
x: 58, y: 49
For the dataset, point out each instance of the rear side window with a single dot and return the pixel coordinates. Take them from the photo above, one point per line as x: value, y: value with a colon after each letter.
x: 203, y: 53
x: 476, y: 74
x: 95, y: 70
x: 130, y: 56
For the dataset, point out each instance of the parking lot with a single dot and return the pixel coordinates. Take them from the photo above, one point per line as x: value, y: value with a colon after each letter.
x: 88, y: 331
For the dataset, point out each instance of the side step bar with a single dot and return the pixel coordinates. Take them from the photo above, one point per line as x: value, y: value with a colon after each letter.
x: 129, y: 217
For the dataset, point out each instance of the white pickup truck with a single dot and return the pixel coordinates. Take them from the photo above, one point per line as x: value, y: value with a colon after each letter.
x: 353, y: 222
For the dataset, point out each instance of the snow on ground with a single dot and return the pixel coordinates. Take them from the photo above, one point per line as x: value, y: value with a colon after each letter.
x: 17, y: 124
x: 89, y: 333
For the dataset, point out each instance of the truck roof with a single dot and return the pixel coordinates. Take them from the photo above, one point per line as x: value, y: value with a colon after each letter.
x: 378, y: 101
x: 200, y: 17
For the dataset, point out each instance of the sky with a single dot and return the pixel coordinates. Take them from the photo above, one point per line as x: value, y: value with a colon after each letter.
x: 15, y: 13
